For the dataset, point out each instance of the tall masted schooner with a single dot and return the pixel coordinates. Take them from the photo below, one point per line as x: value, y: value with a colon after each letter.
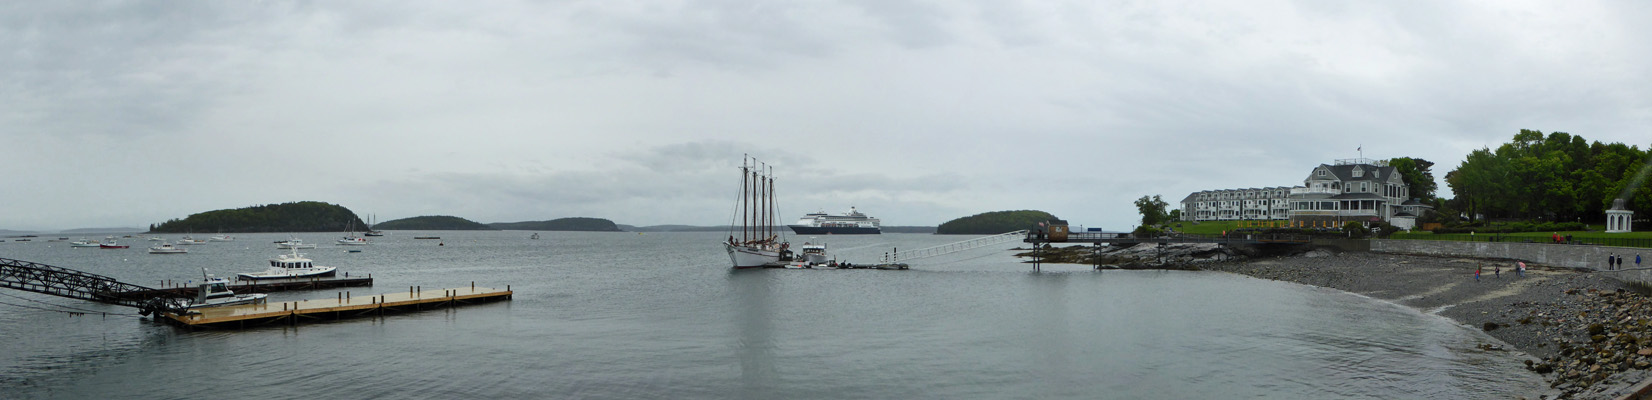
x: 758, y: 244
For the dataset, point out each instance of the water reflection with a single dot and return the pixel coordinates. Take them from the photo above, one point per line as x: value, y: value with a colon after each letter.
x: 754, y: 326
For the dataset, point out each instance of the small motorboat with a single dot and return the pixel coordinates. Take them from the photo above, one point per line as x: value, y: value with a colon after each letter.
x: 112, y: 245
x: 353, y: 241
x: 287, y: 266
x: 427, y: 237
x: 83, y: 243
x: 156, y: 239
x: 221, y: 238
x: 214, y: 292
x: 535, y: 236
x: 167, y: 248
x: 293, y: 243
x: 189, y: 241
x: 814, y: 254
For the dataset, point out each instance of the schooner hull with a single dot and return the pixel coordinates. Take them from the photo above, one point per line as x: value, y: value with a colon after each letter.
x: 750, y: 257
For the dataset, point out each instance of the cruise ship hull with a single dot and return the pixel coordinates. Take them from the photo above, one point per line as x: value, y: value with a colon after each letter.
x: 834, y: 230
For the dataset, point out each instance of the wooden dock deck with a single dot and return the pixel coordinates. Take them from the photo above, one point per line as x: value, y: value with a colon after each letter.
x: 295, y: 312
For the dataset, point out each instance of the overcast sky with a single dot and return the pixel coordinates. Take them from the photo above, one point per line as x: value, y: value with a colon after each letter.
x: 122, y: 114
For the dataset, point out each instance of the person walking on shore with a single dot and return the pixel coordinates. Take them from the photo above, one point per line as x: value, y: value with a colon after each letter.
x: 1497, y: 270
x: 1520, y: 269
x: 1476, y: 272
x: 1611, y: 258
x: 1637, y: 260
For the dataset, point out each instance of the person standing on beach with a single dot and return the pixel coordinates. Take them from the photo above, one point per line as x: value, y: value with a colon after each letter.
x: 1637, y: 260
x: 1497, y: 270
x: 1610, y: 258
x: 1476, y: 272
x: 1520, y: 269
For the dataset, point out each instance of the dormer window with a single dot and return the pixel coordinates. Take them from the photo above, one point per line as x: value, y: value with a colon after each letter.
x: 1358, y: 172
x: 1321, y: 172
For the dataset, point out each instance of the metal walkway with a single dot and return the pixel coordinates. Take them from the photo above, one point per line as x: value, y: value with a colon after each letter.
x: 955, y: 247
x: 1127, y: 238
x: 57, y: 281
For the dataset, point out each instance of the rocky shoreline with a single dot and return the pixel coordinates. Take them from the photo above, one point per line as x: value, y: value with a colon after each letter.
x: 1588, y: 333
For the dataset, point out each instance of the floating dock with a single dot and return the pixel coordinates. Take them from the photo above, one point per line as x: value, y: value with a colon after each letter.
x: 295, y: 312
x: 262, y: 286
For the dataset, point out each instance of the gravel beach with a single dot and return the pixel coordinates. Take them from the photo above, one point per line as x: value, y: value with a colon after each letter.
x: 1587, y: 333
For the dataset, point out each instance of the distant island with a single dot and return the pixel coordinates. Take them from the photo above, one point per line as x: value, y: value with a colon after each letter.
x: 433, y: 223
x: 561, y: 224
x: 994, y: 222
x: 303, y: 216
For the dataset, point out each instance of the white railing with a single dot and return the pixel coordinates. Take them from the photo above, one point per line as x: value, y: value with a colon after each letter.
x: 955, y: 247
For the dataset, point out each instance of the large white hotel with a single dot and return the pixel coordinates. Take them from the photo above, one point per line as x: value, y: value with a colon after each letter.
x: 1350, y: 190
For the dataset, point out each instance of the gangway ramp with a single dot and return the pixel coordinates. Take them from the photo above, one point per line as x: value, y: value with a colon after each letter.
x: 58, y: 281
x: 955, y: 247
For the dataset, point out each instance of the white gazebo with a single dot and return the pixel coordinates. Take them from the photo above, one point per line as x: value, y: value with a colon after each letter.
x: 1617, y: 218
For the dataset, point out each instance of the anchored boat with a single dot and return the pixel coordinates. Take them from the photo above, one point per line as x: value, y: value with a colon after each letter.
x: 287, y: 266
x: 167, y: 248
x: 214, y: 292
x: 759, y: 244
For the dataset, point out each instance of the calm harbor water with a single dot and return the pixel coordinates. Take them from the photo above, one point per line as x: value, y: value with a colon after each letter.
x: 659, y: 315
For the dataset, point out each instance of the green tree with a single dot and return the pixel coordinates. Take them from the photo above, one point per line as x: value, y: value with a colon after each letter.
x: 1152, y: 210
x: 1418, y: 174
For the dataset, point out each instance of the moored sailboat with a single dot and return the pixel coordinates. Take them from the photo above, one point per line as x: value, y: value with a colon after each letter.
x: 758, y: 243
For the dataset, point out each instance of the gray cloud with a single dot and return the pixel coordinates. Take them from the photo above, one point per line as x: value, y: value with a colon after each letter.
x: 914, y: 111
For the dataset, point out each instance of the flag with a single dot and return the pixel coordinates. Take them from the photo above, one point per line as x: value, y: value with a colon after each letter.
x: 1360, y: 148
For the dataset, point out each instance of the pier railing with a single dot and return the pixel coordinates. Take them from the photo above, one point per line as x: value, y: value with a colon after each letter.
x: 949, y: 248
x: 1131, y: 238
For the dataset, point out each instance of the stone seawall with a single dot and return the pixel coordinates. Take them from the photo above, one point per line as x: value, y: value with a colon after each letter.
x: 1569, y: 256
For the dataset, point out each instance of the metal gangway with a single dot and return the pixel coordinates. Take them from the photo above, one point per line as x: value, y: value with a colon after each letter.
x: 955, y: 247
x: 57, y: 281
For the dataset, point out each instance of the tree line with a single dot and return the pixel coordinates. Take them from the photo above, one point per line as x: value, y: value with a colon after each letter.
x: 1555, y: 177
x: 993, y: 223
x: 303, y: 216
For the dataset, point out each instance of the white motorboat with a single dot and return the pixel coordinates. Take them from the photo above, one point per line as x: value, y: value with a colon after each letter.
x: 187, y: 240
x: 294, y: 243
x: 288, y: 266
x: 167, y: 248
x: 535, y: 236
x: 85, y: 243
x: 214, y: 292
x: 813, y: 254
x: 156, y: 239
x: 221, y: 238
x: 759, y: 244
